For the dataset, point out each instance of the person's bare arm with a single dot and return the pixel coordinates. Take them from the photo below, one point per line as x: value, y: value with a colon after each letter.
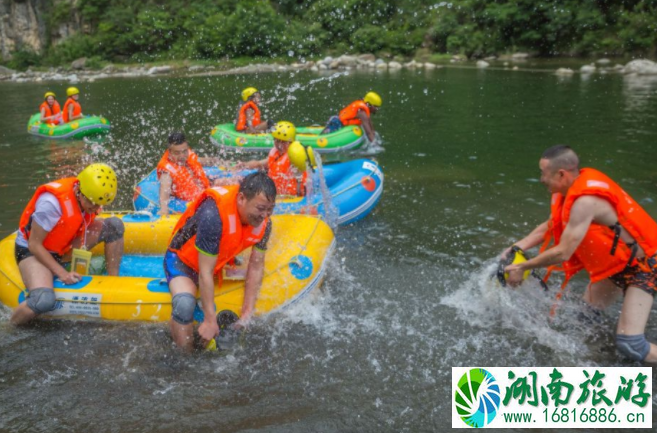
x: 532, y: 239
x: 254, y: 274
x: 366, y: 122
x: 166, y: 182
x: 581, y: 217
x: 209, y: 328
x: 254, y: 165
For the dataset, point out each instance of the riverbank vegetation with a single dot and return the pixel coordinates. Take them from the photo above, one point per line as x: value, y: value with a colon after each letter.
x: 134, y: 31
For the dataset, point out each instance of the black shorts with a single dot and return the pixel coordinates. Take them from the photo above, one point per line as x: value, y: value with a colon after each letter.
x: 643, y: 276
x: 21, y: 253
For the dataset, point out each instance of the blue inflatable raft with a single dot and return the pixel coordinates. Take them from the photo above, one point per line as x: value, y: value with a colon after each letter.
x: 353, y: 189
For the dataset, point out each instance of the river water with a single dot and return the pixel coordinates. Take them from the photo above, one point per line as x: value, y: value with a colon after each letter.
x: 408, y: 294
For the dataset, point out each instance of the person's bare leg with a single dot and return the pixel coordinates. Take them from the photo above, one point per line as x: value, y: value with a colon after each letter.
x: 35, y: 275
x: 113, y: 256
x: 602, y: 294
x: 634, y: 317
x: 182, y: 334
x: 113, y: 250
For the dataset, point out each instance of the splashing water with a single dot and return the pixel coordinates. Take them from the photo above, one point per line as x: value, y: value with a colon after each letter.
x: 492, y: 310
x: 318, y: 182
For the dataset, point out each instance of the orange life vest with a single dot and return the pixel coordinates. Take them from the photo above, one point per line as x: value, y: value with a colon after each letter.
x: 280, y: 171
x: 349, y: 114
x: 70, y: 225
x: 241, y: 116
x: 188, y: 182
x: 601, y: 253
x: 51, y: 111
x: 77, y: 109
x: 235, y: 237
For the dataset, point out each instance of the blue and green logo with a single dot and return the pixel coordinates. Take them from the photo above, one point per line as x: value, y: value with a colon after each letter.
x: 477, y: 397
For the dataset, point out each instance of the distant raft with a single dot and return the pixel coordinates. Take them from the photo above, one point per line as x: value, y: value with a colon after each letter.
x: 347, y: 138
x: 295, y: 264
x: 85, y: 127
x: 353, y: 190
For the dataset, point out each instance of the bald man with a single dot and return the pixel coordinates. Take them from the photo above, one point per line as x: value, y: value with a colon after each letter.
x: 596, y: 226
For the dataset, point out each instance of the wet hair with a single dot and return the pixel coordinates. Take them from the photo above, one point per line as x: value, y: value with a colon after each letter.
x: 176, y: 138
x: 562, y: 157
x: 256, y: 183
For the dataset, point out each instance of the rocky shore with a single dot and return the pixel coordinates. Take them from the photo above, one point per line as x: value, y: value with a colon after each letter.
x: 79, y: 72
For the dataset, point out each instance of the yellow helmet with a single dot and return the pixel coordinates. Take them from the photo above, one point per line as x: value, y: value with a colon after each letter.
x: 98, y: 183
x: 299, y: 155
x: 248, y: 92
x: 49, y: 94
x: 284, y: 131
x: 72, y: 91
x: 373, y: 99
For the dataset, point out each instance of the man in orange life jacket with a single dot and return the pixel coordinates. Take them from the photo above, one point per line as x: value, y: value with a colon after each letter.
x: 61, y: 216
x: 72, y: 109
x: 180, y: 172
x: 216, y: 227
x: 277, y: 165
x: 249, y: 119
x: 51, y: 112
x: 357, y: 113
x: 597, y: 226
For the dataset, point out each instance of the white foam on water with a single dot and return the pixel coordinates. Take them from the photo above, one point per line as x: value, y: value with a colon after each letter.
x: 43, y: 378
x: 484, y: 305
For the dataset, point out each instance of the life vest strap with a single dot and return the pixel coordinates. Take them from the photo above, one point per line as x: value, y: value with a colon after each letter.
x: 617, y: 233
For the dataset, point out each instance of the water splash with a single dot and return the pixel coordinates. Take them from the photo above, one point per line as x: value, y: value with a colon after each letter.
x: 523, y: 315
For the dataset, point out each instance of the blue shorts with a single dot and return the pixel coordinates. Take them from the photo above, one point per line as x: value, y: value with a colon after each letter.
x: 334, y: 124
x: 174, y: 267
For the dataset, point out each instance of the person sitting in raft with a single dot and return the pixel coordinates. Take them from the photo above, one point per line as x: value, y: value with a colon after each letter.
x: 180, y: 172
x: 61, y: 216
x: 277, y: 164
x: 357, y: 113
x: 248, y: 116
x: 596, y: 226
x: 72, y: 109
x: 51, y: 112
x: 216, y: 227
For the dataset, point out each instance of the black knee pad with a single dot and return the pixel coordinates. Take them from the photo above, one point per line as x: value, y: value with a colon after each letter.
x: 41, y: 300
x: 112, y: 230
x: 635, y: 347
x: 182, y: 308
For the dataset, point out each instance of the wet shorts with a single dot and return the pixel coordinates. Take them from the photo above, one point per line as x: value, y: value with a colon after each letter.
x: 174, y: 267
x: 21, y: 253
x: 638, y: 277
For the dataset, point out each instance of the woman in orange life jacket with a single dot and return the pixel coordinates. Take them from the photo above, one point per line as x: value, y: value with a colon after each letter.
x: 51, y: 112
x: 61, y: 216
x: 249, y: 120
x: 217, y: 226
x: 596, y: 226
x: 358, y: 112
x: 180, y: 172
x: 72, y: 109
x: 287, y: 178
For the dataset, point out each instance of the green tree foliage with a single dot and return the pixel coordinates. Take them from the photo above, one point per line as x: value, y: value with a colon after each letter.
x: 207, y: 29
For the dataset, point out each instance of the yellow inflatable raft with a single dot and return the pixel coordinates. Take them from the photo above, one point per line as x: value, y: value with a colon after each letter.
x: 295, y: 264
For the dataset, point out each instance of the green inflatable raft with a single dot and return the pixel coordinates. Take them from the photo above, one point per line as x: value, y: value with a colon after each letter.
x: 92, y: 125
x: 347, y: 138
